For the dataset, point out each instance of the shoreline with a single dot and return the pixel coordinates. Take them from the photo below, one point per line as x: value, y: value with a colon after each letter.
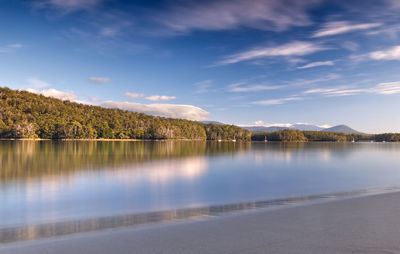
x: 197, y: 140
x: 367, y: 224
x: 38, y: 232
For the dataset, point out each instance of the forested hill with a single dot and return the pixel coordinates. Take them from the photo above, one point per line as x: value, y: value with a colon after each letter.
x: 28, y: 115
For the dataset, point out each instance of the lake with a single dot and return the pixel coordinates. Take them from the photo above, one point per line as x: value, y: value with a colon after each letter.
x: 55, y: 181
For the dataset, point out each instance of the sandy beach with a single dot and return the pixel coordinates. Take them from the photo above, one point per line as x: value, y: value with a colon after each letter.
x: 368, y: 224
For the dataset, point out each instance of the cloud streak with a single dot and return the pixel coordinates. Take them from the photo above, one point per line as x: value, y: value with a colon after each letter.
x: 341, y: 27
x: 54, y: 93
x: 242, y: 87
x: 203, y: 86
x: 387, y: 88
x: 67, y: 6
x: 388, y: 54
x: 166, y: 110
x: 134, y: 95
x: 216, y: 15
x: 295, y: 48
x: 160, y: 98
x: 317, y: 64
x: 277, y: 101
x: 99, y: 80
x: 10, y: 48
x: 37, y: 83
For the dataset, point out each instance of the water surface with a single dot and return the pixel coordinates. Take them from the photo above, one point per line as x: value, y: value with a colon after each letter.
x: 49, y: 181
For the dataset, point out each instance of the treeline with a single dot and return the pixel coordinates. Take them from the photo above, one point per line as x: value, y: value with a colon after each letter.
x: 289, y: 135
x: 28, y: 115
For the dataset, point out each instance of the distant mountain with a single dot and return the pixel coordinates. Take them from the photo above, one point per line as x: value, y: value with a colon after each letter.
x: 213, y: 122
x: 306, y: 127
x: 302, y: 127
x: 264, y: 129
x: 343, y: 129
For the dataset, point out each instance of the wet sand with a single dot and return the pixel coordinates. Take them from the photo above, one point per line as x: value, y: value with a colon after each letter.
x: 369, y: 224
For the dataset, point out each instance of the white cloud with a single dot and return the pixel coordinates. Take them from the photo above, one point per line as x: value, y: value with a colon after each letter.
x: 343, y: 91
x: 381, y: 88
x: 55, y: 94
x: 341, y: 27
x: 160, y: 98
x: 295, y: 48
x: 387, y: 88
x: 37, y: 83
x: 278, y: 15
x: 134, y: 95
x: 277, y: 101
x: 286, y: 125
x: 67, y: 5
x: 388, y: 54
x: 167, y: 110
x: 10, y: 48
x: 324, y: 126
x: 316, y: 64
x: 94, y: 99
x: 259, y: 123
x: 242, y: 87
x: 99, y: 80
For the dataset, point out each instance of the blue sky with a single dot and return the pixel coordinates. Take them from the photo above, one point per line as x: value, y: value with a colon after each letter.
x: 240, y: 62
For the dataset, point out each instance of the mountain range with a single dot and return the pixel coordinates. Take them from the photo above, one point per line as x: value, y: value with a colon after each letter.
x: 302, y: 127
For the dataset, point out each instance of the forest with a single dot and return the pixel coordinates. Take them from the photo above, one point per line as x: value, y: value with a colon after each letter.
x: 28, y: 115
x: 290, y: 135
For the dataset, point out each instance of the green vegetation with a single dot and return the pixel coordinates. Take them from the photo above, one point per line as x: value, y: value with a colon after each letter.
x: 300, y: 136
x: 387, y: 137
x: 28, y: 115
x: 283, y: 135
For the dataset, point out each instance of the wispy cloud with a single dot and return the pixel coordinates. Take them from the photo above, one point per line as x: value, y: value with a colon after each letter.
x: 286, y: 125
x: 116, y: 27
x: 203, y: 86
x: 340, y: 91
x: 295, y: 48
x: 134, y: 95
x: 388, y: 30
x: 388, y: 54
x: 37, y: 83
x: 316, y: 64
x: 67, y: 6
x: 94, y: 99
x: 387, y: 88
x: 160, y: 98
x: 167, y: 110
x: 10, y: 48
x: 310, y: 82
x: 186, y: 16
x: 341, y: 27
x: 54, y: 93
x: 99, y: 80
x: 277, y: 101
x: 350, y: 45
x: 243, y: 87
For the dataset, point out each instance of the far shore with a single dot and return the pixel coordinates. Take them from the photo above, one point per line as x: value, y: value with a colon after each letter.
x: 204, y: 140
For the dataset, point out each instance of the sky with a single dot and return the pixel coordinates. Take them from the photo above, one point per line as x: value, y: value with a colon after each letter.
x: 253, y: 62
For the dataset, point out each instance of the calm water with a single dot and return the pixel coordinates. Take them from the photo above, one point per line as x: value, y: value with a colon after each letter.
x: 47, y: 181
